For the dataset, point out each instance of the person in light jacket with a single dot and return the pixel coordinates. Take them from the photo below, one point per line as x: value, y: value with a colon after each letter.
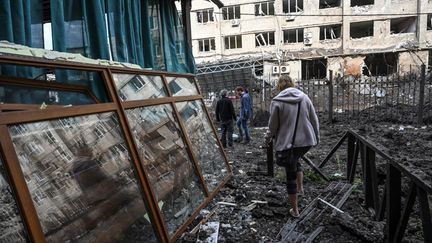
x: 283, y: 115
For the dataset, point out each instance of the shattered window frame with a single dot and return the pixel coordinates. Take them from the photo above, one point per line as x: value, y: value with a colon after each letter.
x: 356, y: 26
x: 298, y: 33
x: 64, y: 118
x: 292, y: 6
x: 265, y: 39
x: 264, y: 8
x: 403, y: 25
x: 323, y: 4
x: 331, y: 32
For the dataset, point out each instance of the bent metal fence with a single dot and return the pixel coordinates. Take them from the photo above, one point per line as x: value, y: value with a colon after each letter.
x: 386, y: 201
x: 406, y: 98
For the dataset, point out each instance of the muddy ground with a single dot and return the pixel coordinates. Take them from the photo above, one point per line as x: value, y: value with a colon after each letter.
x: 245, y: 222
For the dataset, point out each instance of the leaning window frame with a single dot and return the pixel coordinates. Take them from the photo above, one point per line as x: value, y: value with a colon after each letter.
x: 115, y: 105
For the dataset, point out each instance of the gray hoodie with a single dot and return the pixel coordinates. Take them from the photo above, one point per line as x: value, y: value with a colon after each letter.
x: 283, y: 114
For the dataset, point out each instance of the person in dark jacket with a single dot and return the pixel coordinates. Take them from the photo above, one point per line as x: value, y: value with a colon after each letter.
x: 225, y: 114
x: 289, y: 104
x: 245, y: 114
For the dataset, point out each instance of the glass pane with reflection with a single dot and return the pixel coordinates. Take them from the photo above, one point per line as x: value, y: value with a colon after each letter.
x: 182, y: 86
x: 204, y: 142
x: 11, y: 224
x: 163, y: 153
x: 79, y: 174
x: 139, y: 87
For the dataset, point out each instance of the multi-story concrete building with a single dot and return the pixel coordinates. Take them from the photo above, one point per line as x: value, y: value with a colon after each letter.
x: 307, y: 38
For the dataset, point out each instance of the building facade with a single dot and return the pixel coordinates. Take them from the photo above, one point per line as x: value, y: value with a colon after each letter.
x: 307, y: 38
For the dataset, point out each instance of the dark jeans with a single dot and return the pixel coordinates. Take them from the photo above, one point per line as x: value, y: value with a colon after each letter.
x: 293, y: 167
x: 227, y: 128
x: 243, y: 128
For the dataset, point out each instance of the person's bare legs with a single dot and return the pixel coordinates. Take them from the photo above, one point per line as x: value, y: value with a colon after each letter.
x: 293, y: 201
x: 299, y: 179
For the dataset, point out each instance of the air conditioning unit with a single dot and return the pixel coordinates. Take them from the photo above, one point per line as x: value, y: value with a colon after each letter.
x: 275, y: 69
x: 235, y: 22
x: 307, y: 38
x: 284, y: 69
x: 290, y: 18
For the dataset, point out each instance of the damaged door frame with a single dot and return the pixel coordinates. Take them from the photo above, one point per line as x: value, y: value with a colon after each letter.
x: 31, y: 113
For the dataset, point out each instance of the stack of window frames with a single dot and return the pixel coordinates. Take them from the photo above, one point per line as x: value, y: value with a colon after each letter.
x: 137, y: 168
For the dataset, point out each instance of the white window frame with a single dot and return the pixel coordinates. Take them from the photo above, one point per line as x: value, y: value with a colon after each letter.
x: 235, y: 38
x: 211, y: 44
x: 265, y: 37
x: 297, y: 35
x: 332, y: 34
x: 297, y: 9
x: 205, y: 12
x: 225, y: 12
x: 260, y: 6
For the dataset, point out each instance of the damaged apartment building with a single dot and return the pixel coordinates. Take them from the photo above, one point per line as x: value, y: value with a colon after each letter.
x: 307, y: 38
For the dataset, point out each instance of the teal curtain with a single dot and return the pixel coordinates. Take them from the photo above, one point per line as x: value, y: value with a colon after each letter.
x: 78, y: 26
x: 21, y: 23
x: 178, y: 56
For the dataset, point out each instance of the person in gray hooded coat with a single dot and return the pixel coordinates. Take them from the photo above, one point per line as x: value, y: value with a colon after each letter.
x: 283, y: 116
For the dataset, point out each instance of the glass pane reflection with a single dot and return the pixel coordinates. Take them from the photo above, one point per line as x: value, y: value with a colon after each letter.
x: 204, y: 142
x: 11, y: 225
x: 182, y: 86
x: 78, y: 171
x: 169, y: 168
x: 139, y: 87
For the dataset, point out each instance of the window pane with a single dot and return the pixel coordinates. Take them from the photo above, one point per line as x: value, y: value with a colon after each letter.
x: 211, y: 15
x: 299, y: 5
x: 227, y: 45
x: 87, y: 187
x: 239, y: 41
x: 232, y: 42
x: 292, y: 6
x: 182, y: 86
x: 139, y: 87
x: 271, y: 38
x: 199, y: 17
x: 300, y: 35
x: 257, y: 9
x: 206, y: 45
x: 285, y: 6
x: 170, y: 171
x: 11, y: 224
x: 237, y: 12
x: 225, y: 13
x: 231, y: 13
x: 213, y: 45
x: 205, y: 16
x: 204, y: 143
x: 200, y: 45
x: 264, y: 8
x: 271, y: 8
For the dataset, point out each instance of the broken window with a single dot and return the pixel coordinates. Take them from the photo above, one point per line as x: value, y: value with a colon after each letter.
x: 314, y: 69
x: 329, y: 3
x: 206, y: 45
x: 204, y: 16
x: 233, y: 42
x: 381, y: 64
x: 361, y: 29
x: 429, y: 22
x: 293, y: 36
x: 266, y: 8
x: 330, y: 32
x: 231, y: 12
x: 361, y: 2
x: 292, y: 6
x: 265, y: 39
x: 403, y: 25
